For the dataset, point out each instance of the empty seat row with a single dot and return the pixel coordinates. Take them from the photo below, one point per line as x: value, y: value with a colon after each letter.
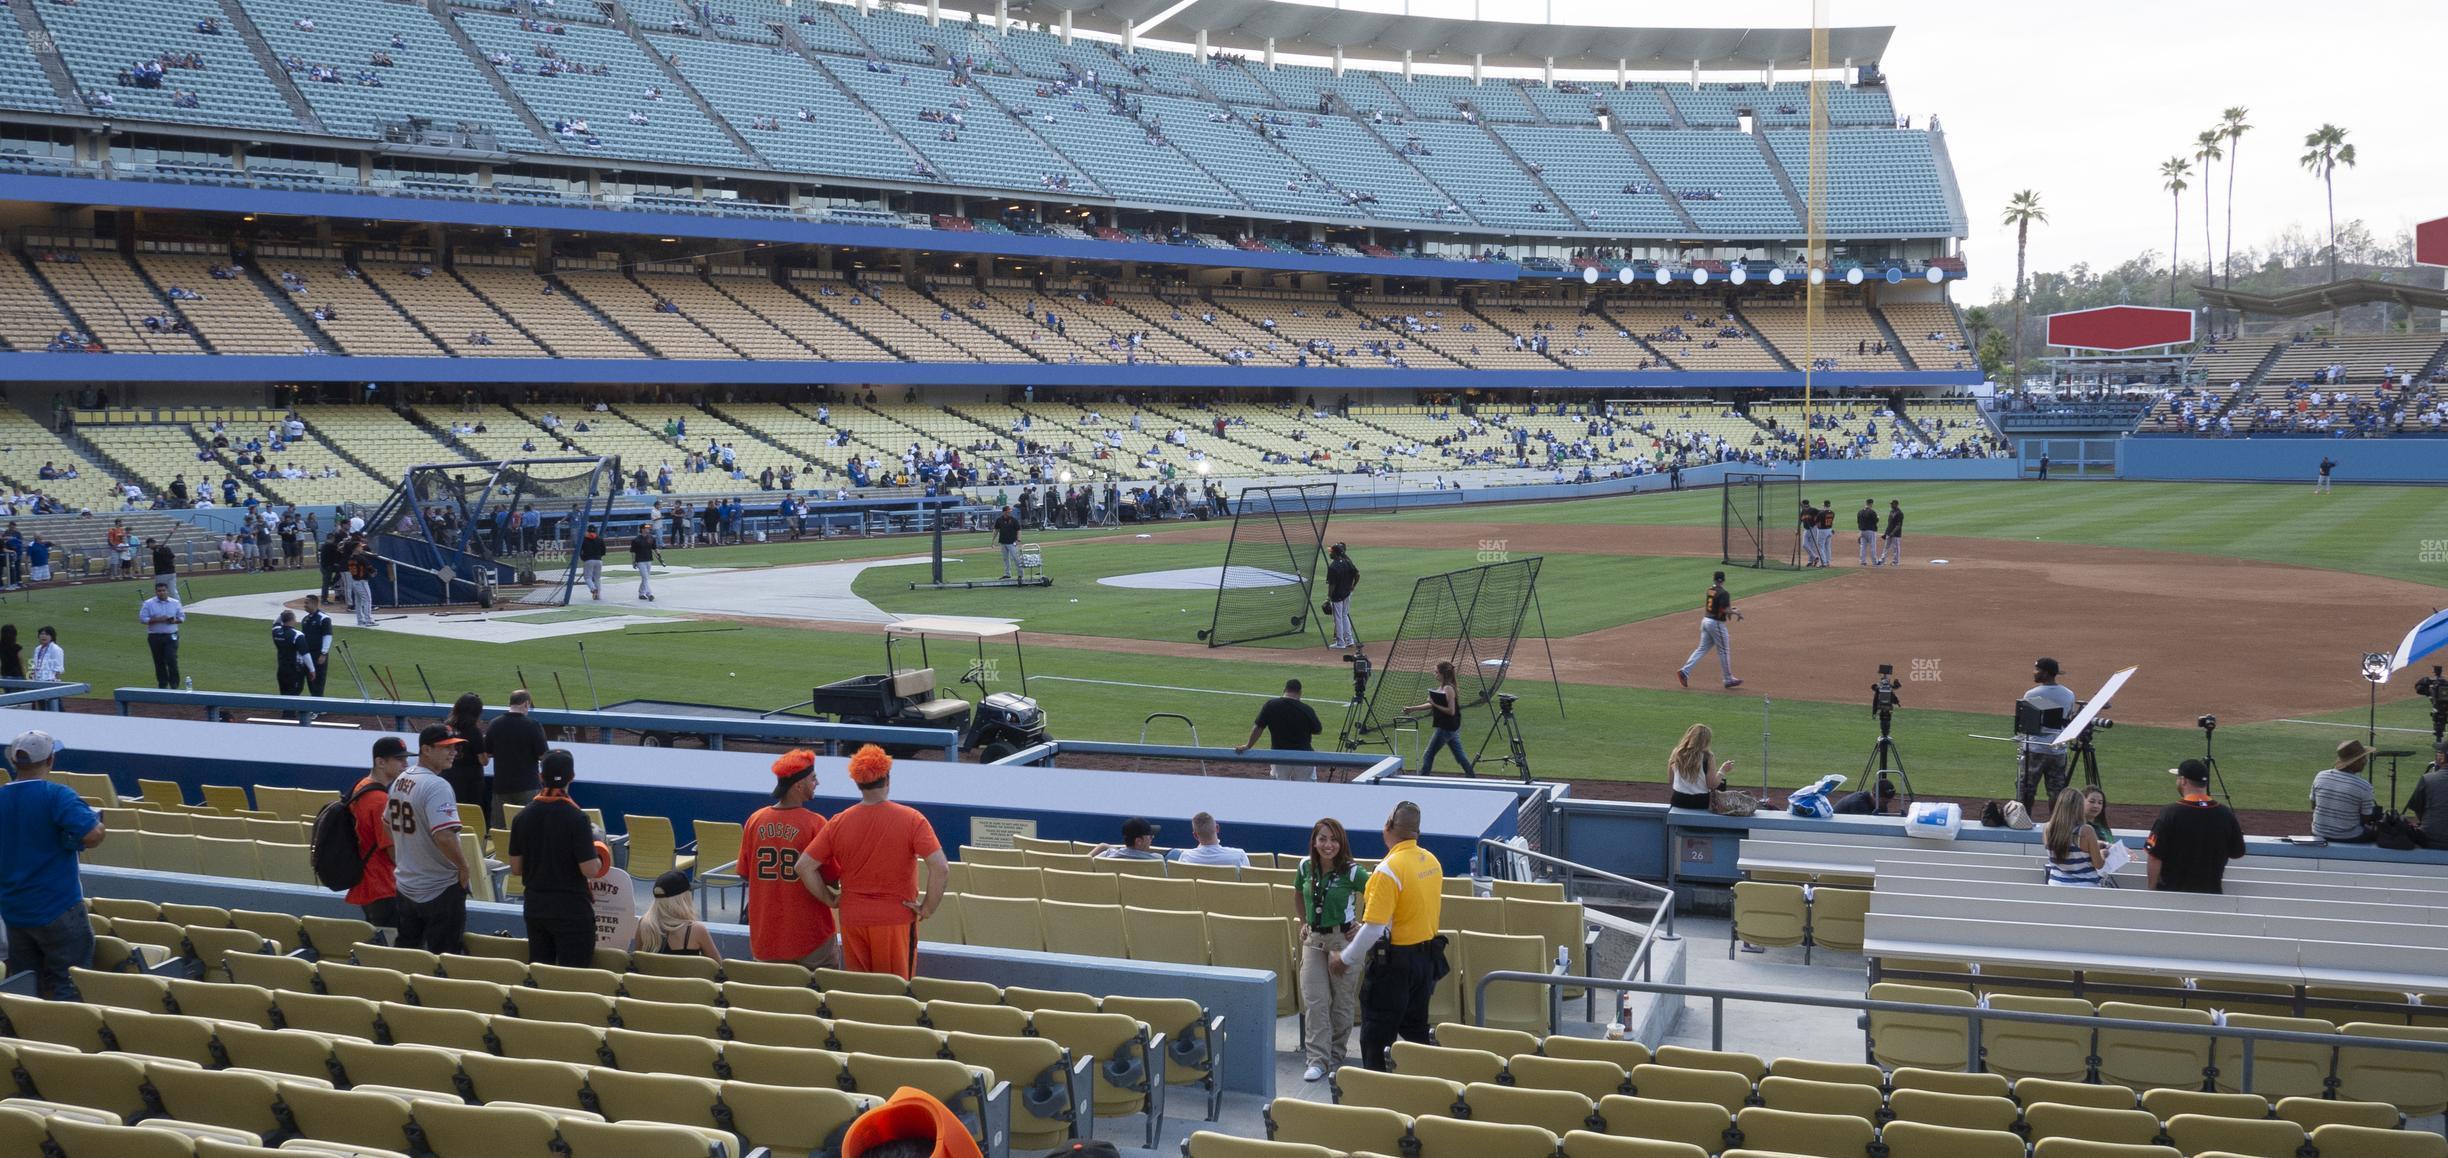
x: 1776, y: 916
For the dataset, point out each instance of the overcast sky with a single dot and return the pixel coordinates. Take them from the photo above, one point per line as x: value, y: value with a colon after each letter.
x: 2082, y: 99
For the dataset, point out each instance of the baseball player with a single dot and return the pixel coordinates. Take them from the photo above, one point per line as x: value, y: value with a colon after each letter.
x: 2327, y: 464
x: 1865, y: 520
x: 1891, y: 545
x: 1809, y: 522
x: 1342, y: 576
x: 1827, y: 533
x: 1716, y: 607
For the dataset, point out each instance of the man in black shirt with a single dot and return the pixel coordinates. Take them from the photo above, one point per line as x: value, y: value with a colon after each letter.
x: 552, y: 850
x: 642, y: 552
x: 2194, y: 838
x: 1865, y: 520
x: 1288, y: 724
x: 590, y: 558
x: 164, y: 561
x: 1891, y: 546
x: 314, y: 645
x: 517, y: 744
x: 1007, y: 537
x: 1716, y: 607
x: 2327, y: 464
x: 285, y: 670
x: 1341, y: 578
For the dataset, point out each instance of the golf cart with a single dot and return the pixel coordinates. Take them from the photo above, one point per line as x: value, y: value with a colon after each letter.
x: 999, y: 724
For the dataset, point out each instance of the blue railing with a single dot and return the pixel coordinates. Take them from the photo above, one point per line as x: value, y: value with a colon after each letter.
x: 1361, y: 765
x: 825, y: 736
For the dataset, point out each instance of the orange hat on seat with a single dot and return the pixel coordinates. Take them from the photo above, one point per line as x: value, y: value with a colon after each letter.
x: 910, y: 1113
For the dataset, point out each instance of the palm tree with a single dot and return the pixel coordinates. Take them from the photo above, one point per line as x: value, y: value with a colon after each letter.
x: 2232, y: 126
x: 2175, y: 170
x: 2325, y: 149
x: 2022, y: 211
x: 2206, y: 151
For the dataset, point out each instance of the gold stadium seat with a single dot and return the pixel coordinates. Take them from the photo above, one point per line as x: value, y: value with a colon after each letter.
x: 1050, y: 1089
x: 2314, y: 1113
x: 1924, y: 1140
x: 408, y: 1067
x: 1129, y: 1061
x: 1981, y: 1085
x: 1584, y: 1144
x: 2167, y: 1103
x: 578, y: 1008
x: 1667, y: 1083
x: 1501, y: 1042
x: 985, y: 1020
x: 985, y: 880
x: 1768, y: 916
x: 874, y: 1008
x: 1345, y: 1129
x: 526, y: 1081
x: 1558, y: 1112
x: 2265, y: 1138
x: 1807, y: 1135
x: 103, y: 1081
x: 1083, y: 888
x: 1975, y: 1112
x: 2416, y: 1084
x: 2280, y: 1069
x: 1920, y: 1040
x: 780, y: 1065
x: 1169, y: 894
x: 1087, y: 930
x: 371, y: 982
x: 453, y: 1127
x: 186, y: 1039
x: 1411, y: 1095
x: 1624, y: 1053
x: 531, y: 1039
x: 773, y: 998
x: 1462, y: 1138
x: 1179, y: 937
x: 232, y: 1099
x: 1750, y: 1066
x: 1232, y: 899
x: 2140, y: 1059
x: 1802, y: 1095
x: 498, y: 970
x: 2033, y: 1091
x: 2024, y: 1050
x: 271, y: 972
x: 687, y: 1055
x: 2366, y: 1142
x: 1590, y: 1079
x: 1510, y: 1005
x: 2091, y: 1124
x: 1266, y: 943
x: 798, y: 1031
x: 586, y: 1139
x: 455, y: 1029
x: 1699, y: 1124
x: 1413, y: 1059
x: 978, y: 854
x: 662, y: 1016
x: 945, y: 927
x: 1209, y: 1144
x: 1002, y: 922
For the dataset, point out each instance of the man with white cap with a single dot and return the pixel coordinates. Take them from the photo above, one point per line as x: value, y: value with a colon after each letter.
x: 43, y: 826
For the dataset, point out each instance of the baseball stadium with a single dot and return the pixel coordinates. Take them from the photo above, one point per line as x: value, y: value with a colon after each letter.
x: 1219, y: 578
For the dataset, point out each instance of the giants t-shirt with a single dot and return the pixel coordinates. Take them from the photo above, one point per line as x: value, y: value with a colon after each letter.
x: 1716, y: 603
x: 785, y: 922
x: 421, y: 805
x: 868, y: 850
x: 1895, y: 523
x: 374, y: 843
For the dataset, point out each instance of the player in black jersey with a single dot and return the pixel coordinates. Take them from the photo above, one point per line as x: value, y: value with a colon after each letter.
x: 1716, y: 608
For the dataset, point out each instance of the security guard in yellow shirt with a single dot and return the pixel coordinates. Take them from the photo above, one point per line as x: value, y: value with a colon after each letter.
x: 1398, y: 936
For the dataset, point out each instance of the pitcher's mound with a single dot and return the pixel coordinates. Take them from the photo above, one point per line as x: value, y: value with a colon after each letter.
x: 1201, y: 579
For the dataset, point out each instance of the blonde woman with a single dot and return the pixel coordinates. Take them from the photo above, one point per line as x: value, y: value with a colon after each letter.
x: 2075, y: 857
x: 670, y: 925
x: 1688, y: 770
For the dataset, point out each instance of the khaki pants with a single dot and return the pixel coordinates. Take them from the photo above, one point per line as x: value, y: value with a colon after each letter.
x: 1292, y: 771
x: 1329, y: 1004
x: 827, y: 956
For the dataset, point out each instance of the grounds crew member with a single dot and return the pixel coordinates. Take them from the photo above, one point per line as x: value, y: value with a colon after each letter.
x: 161, y: 616
x: 553, y: 850
x: 787, y: 915
x: 1341, y: 577
x: 864, y: 854
x: 1398, y: 940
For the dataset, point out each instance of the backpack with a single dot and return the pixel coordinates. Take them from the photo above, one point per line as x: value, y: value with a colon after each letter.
x: 339, y: 861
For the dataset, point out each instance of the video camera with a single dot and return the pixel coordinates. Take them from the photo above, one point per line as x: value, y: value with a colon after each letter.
x: 2434, y: 687
x: 1361, y: 667
x: 1883, y: 697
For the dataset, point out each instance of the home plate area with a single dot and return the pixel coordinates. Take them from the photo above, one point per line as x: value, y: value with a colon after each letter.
x: 1200, y: 579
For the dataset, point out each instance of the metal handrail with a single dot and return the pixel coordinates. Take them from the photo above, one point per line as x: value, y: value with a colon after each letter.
x: 1649, y: 936
x: 1975, y: 1014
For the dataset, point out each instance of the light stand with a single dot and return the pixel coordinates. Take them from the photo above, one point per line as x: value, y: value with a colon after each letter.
x: 2376, y: 668
x: 2209, y: 727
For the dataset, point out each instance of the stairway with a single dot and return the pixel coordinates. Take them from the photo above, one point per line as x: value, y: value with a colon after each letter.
x: 269, y: 61
x: 75, y: 320
x: 1598, y: 307
x: 289, y: 307
x: 1405, y: 158
x: 844, y: 322
x: 579, y: 300
x: 29, y: 19
x: 484, y: 68
x: 1042, y: 139
x: 1764, y: 343
x: 1784, y: 179
x: 503, y: 314
x: 680, y: 84
x: 1887, y: 333
x: 1656, y: 181
x: 1553, y: 198
x: 162, y: 295
x: 816, y: 62
x: 926, y: 289
x: 413, y: 321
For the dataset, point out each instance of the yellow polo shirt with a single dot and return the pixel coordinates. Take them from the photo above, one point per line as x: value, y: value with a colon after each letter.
x: 1406, y: 893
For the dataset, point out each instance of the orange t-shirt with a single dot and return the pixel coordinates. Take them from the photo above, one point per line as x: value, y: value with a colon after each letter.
x: 867, y: 850
x: 784, y: 922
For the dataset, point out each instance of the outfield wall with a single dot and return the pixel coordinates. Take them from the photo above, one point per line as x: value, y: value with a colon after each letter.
x: 2360, y: 460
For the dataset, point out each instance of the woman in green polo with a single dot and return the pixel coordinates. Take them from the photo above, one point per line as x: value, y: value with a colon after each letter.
x: 1329, y: 886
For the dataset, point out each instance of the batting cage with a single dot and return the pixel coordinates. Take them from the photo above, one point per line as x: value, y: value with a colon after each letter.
x: 1761, y: 523
x: 1265, y: 588
x: 458, y: 533
x: 1470, y: 618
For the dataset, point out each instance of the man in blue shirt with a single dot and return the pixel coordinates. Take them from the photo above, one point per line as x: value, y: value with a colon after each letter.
x: 43, y: 826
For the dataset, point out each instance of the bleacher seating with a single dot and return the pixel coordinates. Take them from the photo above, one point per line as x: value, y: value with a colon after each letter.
x: 99, y: 39
x: 537, y: 306
x: 449, y: 310
x: 1590, y: 169
x: 1931, y: 335
x: 26, y: 446
x: 1693, y: 334
x: 108, y: 295
x: 427, y: 73
x: 744, y: 82
x: 235, y: 314
x: 2364, y: 357
x: 1879, y: 181
x: 361, y: 320
x: 1721, y: 179
x: 1856, y: 430
x: 674, y: 130
x: 158, y: 454
x: 1847, y: 337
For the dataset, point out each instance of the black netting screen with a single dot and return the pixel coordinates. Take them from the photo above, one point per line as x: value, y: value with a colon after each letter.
x: 1470, y: 618
x: 456, y: 531
x: 1761, y: 527
x: 1265, y: 590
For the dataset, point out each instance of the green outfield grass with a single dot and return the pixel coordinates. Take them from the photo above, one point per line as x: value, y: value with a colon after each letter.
x: 1609, y: 733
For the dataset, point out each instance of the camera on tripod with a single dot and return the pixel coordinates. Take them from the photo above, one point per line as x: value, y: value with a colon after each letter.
x: 1361, y: 667
x: 2206, y: 723
x: 1883, y: 698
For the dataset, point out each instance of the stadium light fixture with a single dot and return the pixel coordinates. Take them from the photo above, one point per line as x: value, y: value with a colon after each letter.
x: 1065, y: 477
x: 1818, y: 276
x: 1699, y: 277
x: 1776, y: 276
x: 1589, y: 275
x: 1665, y: 276
x: 1935, y: 275
x: 1853, y: 276
x: 1625, y: 276
x: 1739, y: 276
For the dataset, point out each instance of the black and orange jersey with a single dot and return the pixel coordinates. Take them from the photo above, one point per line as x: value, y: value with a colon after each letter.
x: 1716, y: 603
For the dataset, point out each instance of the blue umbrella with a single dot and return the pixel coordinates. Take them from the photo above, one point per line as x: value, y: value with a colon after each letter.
x: 2426, y: 641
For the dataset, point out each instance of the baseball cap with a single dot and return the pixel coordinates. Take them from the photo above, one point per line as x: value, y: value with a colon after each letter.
x: 36, y: 747
x: 2048, y: 665
x: 870, y: 765
x: 557, y: 769
x: 672, y: 884
x: 792, y: 767
x: 436, y: 736
x: 910, y: 1114
x: 2193, y: 770
x: 390, y: 746
x: 1136, y: 827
